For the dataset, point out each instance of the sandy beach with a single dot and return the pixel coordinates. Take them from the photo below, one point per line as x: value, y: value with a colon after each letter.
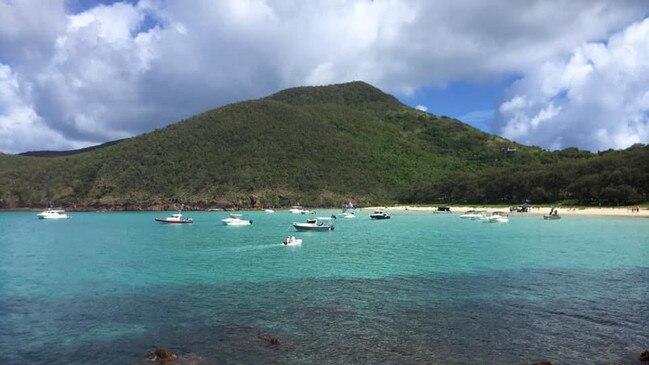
x: 563, y: 211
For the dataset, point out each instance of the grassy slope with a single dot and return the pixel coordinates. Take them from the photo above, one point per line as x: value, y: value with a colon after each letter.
x: 318, y: 145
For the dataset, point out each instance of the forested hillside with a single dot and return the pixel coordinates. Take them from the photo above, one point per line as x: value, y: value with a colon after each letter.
x: 320, y: 146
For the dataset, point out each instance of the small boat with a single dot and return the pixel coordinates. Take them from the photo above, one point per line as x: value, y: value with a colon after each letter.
x: 296, y: 209
x: 554, y: 214
x: 313, y: 225
x: 53, y: 214
x: 292, y: 241
x: 379, y: 214
x: 551, y: 216
x: 473, y: 214
x: 495, y: 217
x: 347, y: 215
x: 348, y: 206
x: 269, y: 211
x: 175, y: 218
x: 236, y: 220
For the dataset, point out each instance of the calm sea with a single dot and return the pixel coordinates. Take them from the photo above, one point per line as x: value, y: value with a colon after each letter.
x: 106, y: 288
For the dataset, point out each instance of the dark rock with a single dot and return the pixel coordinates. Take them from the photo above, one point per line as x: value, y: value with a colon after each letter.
x: 273, y: 340
x: 542, y: 363
x: 644, y: 356
x: 162, y: 355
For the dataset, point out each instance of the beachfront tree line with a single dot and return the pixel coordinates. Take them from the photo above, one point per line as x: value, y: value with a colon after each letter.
x: 610, y: 178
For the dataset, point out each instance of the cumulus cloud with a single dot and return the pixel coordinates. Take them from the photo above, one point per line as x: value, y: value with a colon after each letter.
x: 28, y: 31
x: 598, y: 98
x: 423, y: 108
x: 21, y: 128
x: 121, y: 69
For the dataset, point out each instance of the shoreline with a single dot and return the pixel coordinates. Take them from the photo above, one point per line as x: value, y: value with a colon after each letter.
x: 541, y: 210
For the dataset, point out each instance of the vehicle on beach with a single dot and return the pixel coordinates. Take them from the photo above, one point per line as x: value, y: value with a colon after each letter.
x: 292, y: 241
x: 379, y: 214
x: 53, y: 214
x: 175, y: 218
x: 313, y: 225
x: 236, y: 220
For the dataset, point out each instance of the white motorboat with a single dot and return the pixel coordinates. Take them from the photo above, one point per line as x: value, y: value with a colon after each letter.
x: 495, y: 217
x: 53, y: 214
x: 296, y: 209
x: 313, y: 225
x: 269, y: 211
x: 175, y: 218
x: 347, y: 215
x: 379, y: 214
x: 292, y: 241
x: 473, y: 214
x: 236, y: 220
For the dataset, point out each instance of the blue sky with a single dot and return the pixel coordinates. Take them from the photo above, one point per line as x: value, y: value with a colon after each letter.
x: 552, y: 73
x: 470, y: 102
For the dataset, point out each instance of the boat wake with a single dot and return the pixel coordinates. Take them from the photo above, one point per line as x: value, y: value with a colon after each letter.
x: 257, y: 247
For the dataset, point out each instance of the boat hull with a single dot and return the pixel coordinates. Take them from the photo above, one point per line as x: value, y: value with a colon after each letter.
x: 238, y: 223
x: 379, y: 216
x: 295, y: 242
x: 496, y: 220
x: 304, y: 228
x: 53, y: 214
x: 163, y: 220
x: 53, y: 217
x: 551, y: 217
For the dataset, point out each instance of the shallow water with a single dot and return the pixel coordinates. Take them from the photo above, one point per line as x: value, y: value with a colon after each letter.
x: 419, y: 288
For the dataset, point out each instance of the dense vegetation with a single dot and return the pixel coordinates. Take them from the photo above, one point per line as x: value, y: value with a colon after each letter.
x: 573, y: 177
x: 320, y: 146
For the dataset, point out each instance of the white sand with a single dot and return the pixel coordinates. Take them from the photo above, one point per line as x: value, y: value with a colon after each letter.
x: 563, y: 211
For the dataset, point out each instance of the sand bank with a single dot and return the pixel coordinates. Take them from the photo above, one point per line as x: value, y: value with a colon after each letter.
x: 563, y: 211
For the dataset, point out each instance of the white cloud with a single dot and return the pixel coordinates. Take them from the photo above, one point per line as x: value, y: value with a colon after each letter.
x: 596, y: 99
x: 122, y: 69
x: 21, y: 128
x: 423, y: 108
x: 28, y: 29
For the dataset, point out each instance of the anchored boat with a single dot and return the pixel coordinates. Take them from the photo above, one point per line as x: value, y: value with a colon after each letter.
x: 175, y: 218
x: 313, y: 225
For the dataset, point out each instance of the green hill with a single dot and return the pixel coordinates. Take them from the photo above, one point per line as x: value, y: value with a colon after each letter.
x: 320, y: 146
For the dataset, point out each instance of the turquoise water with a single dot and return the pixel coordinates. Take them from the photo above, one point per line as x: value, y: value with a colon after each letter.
x: 419, y: 288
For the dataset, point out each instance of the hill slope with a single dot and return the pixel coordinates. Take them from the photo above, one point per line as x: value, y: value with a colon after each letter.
x: 316, y: 145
